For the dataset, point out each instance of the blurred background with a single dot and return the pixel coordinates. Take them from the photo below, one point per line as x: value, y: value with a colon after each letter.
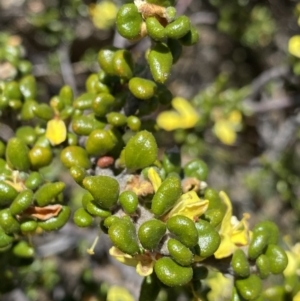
x: 243, y: 79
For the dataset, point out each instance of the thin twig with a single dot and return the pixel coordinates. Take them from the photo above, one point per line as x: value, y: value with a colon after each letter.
x: 66, y: 67
x: 257, y: 85
x: 272, y: 104
x: 267, y: 76
x: 284, y: 137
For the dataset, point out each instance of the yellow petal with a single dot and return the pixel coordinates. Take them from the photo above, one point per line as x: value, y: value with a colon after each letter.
x: 19, y: 186
x: 184, y: 117
x: 294, y: 46
x: 123, y: 257
x: 221, y: 287
x: 169, y: 120
x: 235, y: 117
x: 297, y: 297
x: 56, y: 131
x: 226, y: 247
x: 189, y: 205
x: 184, y: 108
x: 226, y: 222
x: 224, y: 131
x: 296, y: 250
x: 233, y: 232
x: 154, y: 178
x: 145, y: 266
x: 143, y: 263
x: 118, y: 293
x: 292, y: 266
x: 240, y: 232
x: 103, y: 14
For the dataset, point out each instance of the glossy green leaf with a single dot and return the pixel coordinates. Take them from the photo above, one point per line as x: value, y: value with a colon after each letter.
x: 23, y: 249
x: 21, y: 202
x: 208, y: 239
x: 142, y: 88
x: 140, y: 151
x: 167, y: 195
x: 160, y: 61
x: 240, y: 264
x: 82, y: 218
x: 178, y: 28
x: 7, y: 193
x: 123, y: 64
x: 100, y: 142
x: 17, y: 154
x: 123, y: 235
x: 154, y: 29
x: 180, y: 253
x: 40, y: 157
x: 180, y: 225
x: 47, y: 193
x: 75, y: 156
x: 249, y: 288
x: 151, y: 232
x: 102, y: 104
x: 129, y: 201
x: 129, y: 21
x: 57, y: 222
x: 104, y: 189
x: 172, y: 274
x: 8, y: 222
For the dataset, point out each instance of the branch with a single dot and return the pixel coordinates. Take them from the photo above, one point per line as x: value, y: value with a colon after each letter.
x: 269, y: 104
x: 286, y: 133
x: 272, y: 104
x: 265, y: 77
x: 66, y: 67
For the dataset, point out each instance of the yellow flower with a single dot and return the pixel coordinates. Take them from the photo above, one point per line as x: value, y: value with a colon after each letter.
x: 103, y: 14
x: 15, y: 181
x: 233, y: 233
x: 143, y: 262
x: 154, y: 178
x: 184, y: 117
x: 294, y: 46
x: 56, y: 131
x: 225, y: 128
x: 293, y: 259
x: 221, y: 287
x: 189, y: 205
x: 118, y: 293
x: 297, y: 297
